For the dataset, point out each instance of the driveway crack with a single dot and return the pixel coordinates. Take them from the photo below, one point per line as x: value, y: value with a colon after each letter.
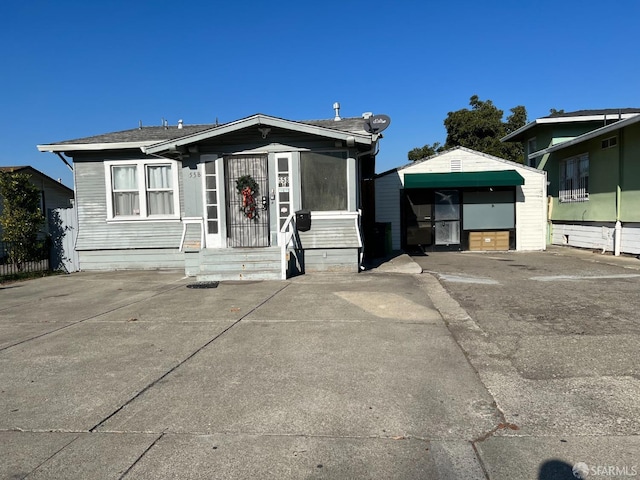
x: 186, y: 359
x: 6, y: 347
x: 153, y: 444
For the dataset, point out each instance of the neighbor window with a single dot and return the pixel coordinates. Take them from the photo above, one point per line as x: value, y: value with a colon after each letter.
x: 574, y: 179
x: 609, y: 142
x: 323, y: 177
x: 141, y: 189
x: 532, y: 146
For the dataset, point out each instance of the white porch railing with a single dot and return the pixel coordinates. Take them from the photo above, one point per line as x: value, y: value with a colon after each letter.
x: 192, y: 220
x: 285, y: 236
x: 287, y: 233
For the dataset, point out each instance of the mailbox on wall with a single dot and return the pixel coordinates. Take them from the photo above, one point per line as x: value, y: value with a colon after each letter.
x: 303, y: 220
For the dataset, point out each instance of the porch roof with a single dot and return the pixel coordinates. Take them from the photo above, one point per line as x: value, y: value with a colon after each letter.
x: 499, y: 178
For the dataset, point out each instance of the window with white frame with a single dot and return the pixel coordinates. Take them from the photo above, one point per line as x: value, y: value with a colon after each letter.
x: 142, y: 189
x: 574, y: 179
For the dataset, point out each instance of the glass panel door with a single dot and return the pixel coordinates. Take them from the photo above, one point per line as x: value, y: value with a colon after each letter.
x: 447, y: 217
x: 417, y: 218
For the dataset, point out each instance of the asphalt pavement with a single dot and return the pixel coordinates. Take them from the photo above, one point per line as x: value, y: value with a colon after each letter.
x: 483, y: 366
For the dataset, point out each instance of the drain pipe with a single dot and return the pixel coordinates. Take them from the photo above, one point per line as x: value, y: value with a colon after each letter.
x: 64, y: 160
x: 617, y: 239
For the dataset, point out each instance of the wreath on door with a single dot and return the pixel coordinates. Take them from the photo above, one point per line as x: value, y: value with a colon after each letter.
x: 247, y: 187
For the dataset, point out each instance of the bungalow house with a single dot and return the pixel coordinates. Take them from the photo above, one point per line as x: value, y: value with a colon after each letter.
x: 260, y: 197
x: 592, y: 160
x: 461, y: 199
x: 53, y: 193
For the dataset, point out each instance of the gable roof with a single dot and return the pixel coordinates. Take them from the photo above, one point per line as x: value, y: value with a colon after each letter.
x: 30, y: 170
x: 588, y: 136
x: 354, y: 130
x: 451, y: 150
x: 168, y: 136
x: 600, y: 113
x: 607, y: 114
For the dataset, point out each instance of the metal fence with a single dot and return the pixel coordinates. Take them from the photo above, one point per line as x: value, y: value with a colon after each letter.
x: 12, y: 265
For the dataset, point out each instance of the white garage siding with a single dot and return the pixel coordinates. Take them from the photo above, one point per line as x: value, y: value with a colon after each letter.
x: 531, y: 198
x: 388, y: 204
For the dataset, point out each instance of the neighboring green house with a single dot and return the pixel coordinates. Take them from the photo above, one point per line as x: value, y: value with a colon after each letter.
x: 592, y: 160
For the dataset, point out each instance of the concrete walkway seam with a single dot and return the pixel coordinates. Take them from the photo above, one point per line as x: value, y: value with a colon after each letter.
x: 88, y: 318
x: 189, y: 357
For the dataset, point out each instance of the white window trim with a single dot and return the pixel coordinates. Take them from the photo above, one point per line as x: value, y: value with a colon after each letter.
x: 579, y: 192
x: 607, y: 142
x: 141, y: 171
x: 348, y: 157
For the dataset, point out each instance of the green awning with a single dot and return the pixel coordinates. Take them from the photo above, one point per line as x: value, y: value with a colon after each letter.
x: 500, y: 178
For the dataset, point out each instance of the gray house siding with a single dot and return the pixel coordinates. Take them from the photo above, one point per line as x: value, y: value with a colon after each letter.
x: 116, y: 244
x: 107, y: 241
x: 332, y: 244
x: 138, y: 259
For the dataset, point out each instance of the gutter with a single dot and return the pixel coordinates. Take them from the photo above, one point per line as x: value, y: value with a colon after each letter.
x: 375, y: 149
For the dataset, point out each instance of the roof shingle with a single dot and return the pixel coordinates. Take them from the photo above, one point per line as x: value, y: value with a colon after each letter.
x: 160, y: 133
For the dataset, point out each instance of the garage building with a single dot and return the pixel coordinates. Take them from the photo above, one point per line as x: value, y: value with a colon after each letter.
x: 463, y: 200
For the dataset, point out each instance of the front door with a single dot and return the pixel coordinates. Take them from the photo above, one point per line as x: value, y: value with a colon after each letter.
x: 247, y: 212
x: 418, y: 205
x: 446, y: 218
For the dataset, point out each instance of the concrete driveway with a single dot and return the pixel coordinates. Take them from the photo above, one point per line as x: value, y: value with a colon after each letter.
x: 495, y: 366
x: 555, y: 337
x: 133, y: 375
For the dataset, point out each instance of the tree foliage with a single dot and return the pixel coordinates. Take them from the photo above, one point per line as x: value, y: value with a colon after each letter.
x: 480, y: 128
x: 426, y: 151
x: 21, y: 217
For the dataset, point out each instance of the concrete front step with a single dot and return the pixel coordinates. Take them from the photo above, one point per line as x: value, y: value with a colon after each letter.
x: 240, y: 264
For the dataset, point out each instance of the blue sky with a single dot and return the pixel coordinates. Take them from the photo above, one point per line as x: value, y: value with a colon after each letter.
x: 78, y: 68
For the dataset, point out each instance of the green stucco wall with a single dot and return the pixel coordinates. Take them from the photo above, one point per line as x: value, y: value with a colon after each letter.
x: 603, y: 181
x: 630, y: 204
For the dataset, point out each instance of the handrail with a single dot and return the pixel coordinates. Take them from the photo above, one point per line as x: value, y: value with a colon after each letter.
x: 287, y: 230
x: 191, y: 220
x: 287, y: 234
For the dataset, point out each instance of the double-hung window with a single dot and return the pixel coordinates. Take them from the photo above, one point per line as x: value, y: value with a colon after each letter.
x: 159, y: 190
x: 139, y: 189
x: 574, y: 179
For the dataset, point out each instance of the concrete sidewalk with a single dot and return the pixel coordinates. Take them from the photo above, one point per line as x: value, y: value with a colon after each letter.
x: 133, y: 375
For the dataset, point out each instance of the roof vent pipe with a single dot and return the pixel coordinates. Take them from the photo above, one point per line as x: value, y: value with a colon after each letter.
x: 180, y: 124
x: 336, y: 107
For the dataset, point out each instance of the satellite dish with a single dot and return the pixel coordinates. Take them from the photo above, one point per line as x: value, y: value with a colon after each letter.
x: 376, y: 123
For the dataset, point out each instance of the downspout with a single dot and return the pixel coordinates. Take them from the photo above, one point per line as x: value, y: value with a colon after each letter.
x: 375, y: 148
x: 617, y: 239
x: 64, y: 160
